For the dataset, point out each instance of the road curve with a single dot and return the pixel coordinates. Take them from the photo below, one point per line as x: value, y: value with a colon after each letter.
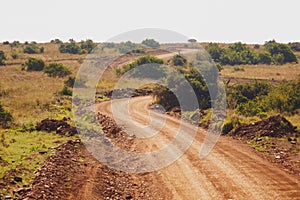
x: 231, y: 171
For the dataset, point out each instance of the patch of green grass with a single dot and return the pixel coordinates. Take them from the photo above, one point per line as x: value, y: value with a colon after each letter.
x: 25, y: 152
x: 258, y: 147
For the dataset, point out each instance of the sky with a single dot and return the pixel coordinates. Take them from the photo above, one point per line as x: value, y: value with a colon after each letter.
x: 254, y: 21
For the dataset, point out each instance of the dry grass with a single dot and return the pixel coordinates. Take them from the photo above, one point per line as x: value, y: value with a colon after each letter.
x: 27, y: 94
x: 264, y: 72
x: 30, y: 96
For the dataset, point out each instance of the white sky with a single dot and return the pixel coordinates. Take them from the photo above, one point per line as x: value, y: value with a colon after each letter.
x: 250, y: 21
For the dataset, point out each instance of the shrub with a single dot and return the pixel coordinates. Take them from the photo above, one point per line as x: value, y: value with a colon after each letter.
x: 15, y: 44
x: 265, y: 58
x: 125, y: 47
x: 33, y: 49
x: 5, y: 117
x: 165, y: 97
x: 72, y: 80
x: 235, y: 54
x: 256, y: 46
x: 179, y: 60
x: 56, y: 41
x: 282, y: 53
x: 148, y: 59
x: 34, y: 64
x: 6, y: 42
x: 88, y: 45
x: 56, y: 70
x: 65, y: 91
x: 295, y: 46
x: 71, y: 48
x: 151, y: 43
x: 14, y: 55
x: 2, y: 58
x: 109, y: 45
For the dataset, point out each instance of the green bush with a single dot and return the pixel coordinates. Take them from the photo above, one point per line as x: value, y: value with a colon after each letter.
x: 15, y: 44
x: 72, y: 80
x: 127, y: 47
x: 5, y: 117
x: 265, y: 58
x: 87, y: 45
x: 65, y: 91
x: 235, y: 54
x: 34, y: 64
x: 57, y: 70
x: 56, y: 41
x: 179, y: 60
x: 71, y: 48
x: 282, y: 53
x: 148, y: 59
x: 165, y: 96
x: 32, y: 48
x: 151, y: 43
x: 295, y: 46
x: 257, y: 99
x: 240, y: 54
x: 215, y: 52
x: 2, y: 58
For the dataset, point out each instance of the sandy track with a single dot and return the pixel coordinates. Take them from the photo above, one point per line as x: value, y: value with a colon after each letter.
x: 231, y: 171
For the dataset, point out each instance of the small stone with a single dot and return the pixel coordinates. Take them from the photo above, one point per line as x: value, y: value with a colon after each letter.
x: 277, y: 157
x: 7, y: 197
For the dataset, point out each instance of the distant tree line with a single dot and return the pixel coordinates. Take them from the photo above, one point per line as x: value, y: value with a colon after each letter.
x: 76, y: 48
x: 241, y: 54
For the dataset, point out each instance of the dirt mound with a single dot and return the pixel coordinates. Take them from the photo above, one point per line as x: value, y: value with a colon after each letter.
x: 266, y: 137
x: 53, y: 180
x: 276, y: 126
x: 59, y: 126
x: 127, y: 93
x: 111, y: 130
x: 72, y: 173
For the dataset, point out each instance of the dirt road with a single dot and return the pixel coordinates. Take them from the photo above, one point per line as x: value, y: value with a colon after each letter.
x: 231, y: 171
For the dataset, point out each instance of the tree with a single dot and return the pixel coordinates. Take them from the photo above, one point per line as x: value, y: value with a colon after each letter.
x: 88, y: 45
x: 282, y: 53
x: 2, y: 58
x: 57, y: 70
x: 192, y: 40
x: 181, y: 86
x: 71, y: 48
x: 151, y: 43
x: 34, y: 64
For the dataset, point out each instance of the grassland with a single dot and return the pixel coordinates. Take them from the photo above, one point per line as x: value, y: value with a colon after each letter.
x: 33, y: 96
